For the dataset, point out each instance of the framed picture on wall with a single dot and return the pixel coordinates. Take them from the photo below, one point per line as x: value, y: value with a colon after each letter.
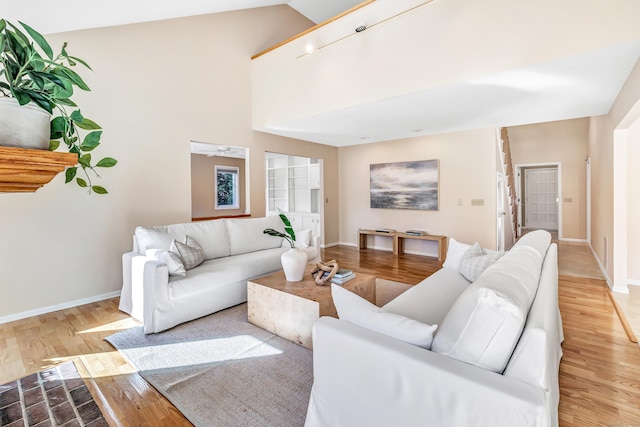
x: 405, y: 185
x: 227, y: 196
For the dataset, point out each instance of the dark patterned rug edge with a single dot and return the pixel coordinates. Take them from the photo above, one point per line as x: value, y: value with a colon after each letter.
x: 56, y: 397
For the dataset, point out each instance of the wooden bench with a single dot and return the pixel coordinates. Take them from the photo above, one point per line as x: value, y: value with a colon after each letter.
x: 399, y: 238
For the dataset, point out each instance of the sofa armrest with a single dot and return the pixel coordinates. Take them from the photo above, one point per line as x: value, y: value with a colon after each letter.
x: 364, y: 378
x: 127, y: 294
x: 155, y: 288
x: 145, y: 287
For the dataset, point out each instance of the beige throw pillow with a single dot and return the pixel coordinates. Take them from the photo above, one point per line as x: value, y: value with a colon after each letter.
x: 475, y: 261
x: 190, y: 252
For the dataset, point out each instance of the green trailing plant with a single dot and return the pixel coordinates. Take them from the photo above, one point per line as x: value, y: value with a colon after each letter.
x: 31, y: 75
x: 289, y: 235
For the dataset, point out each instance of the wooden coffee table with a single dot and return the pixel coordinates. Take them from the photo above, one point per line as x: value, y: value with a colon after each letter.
x: 289, y: 309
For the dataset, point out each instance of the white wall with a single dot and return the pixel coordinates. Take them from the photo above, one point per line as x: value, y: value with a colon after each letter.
x: 467, y: 171
x: 155, y: 87
x: 440, y: 43
x: 633, y: 204
x: 607, y: 176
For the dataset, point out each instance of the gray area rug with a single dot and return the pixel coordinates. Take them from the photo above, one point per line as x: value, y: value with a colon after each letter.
x: 222, y: 371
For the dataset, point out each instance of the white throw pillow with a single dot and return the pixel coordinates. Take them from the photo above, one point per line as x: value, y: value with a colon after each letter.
x: 475, y: 261
x: 190, y: 252
x: 303, y: 238
x: 173, y: 261
x: 361, y: 312
x: 455, y: 251
x: 483, y: 325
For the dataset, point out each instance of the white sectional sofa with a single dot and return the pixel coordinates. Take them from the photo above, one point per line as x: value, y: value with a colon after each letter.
x: 234, y: 250
x: 493, y: 362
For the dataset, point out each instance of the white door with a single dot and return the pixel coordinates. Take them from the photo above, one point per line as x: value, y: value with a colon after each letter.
x: 541, y: 202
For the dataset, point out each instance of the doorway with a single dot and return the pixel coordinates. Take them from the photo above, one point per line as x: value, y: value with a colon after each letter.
x: 295, y: 186
x: 539, y: 192
x: 219, y: 177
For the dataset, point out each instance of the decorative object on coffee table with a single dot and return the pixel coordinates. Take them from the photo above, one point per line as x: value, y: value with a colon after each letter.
x: 324, y: 272
x: 294, y: 260
x: 290, y: 309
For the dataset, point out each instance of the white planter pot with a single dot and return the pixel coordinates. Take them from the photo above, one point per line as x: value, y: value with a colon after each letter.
x: 293, y: 263
x: 24, y: 126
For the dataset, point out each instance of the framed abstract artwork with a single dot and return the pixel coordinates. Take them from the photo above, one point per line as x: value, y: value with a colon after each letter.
x: 405, y: 185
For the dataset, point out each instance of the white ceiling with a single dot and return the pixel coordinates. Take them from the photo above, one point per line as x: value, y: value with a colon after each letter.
x: 579, y: 86
x: 69, y: 15
x: 214, y: 150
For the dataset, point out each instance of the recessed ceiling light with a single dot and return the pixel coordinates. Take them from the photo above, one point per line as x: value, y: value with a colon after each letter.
x: 418, y: 130
x: 309, y: 48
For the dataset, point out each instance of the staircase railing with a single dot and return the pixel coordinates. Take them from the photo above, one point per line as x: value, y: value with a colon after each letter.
x: 510, y: 189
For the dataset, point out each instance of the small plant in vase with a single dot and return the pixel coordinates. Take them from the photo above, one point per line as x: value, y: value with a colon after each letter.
x: 294, y: 260
x: 290, y: 235
x: 31, y: 75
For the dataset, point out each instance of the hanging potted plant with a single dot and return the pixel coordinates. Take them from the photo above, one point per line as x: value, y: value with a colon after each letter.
x: 294, y: 260
x: 33, y: 85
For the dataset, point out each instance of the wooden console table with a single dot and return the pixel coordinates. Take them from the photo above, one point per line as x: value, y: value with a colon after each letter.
x: 399, y: 238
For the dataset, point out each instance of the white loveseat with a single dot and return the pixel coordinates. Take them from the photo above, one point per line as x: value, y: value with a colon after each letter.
x: 234, y: 250
x: 493, y: 362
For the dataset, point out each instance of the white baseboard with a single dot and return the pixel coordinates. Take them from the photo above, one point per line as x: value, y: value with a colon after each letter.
x: 633, y: 281
x: 379, y: 248
x: 429, y: 254
x: 602, y: 269
x: 620, y: 290
x: 329, y: 245
x: 385, y: 249
x: 354, y: 245
x: 567, y: 239
x: 52, y: 308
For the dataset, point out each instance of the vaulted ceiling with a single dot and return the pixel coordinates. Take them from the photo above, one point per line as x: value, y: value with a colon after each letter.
x: 578, y: 86
x: 70, y: 15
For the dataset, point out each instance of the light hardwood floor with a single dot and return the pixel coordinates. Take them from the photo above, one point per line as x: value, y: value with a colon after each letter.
x: 599, y: 373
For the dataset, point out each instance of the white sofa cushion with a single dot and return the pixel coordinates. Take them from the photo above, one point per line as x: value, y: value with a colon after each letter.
x: 484, y: 324
x: 220, y: 272
x: 211, y: 235
x: 357, y: 310
x: 475, y: 261
x: 430, y: 300
x: 246, y: 235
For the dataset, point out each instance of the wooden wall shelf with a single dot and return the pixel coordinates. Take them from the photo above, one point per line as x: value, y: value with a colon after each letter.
x: 25, y: 170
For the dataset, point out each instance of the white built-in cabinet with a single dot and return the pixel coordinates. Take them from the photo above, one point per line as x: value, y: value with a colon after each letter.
x: 293, y: 186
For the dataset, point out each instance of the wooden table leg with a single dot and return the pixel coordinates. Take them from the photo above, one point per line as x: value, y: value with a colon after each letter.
x: 442, y: 248
x: 362, y: 241
x: 398, y: 245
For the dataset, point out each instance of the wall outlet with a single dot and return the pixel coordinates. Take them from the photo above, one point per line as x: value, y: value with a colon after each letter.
x: 459, y: 202
x: 477, y: 202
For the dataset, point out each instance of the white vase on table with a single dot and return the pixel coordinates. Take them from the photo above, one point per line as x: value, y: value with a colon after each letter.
x: 293, y: 264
